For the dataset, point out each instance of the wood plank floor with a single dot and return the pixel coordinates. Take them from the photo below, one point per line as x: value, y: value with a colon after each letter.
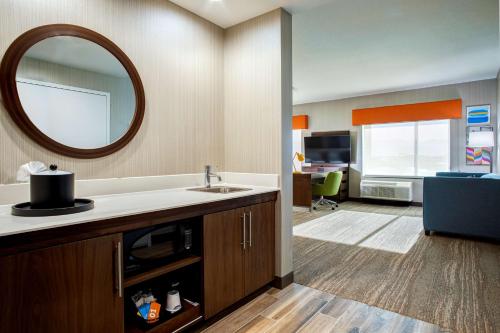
x: 448, y: 281
x: 301, y: 309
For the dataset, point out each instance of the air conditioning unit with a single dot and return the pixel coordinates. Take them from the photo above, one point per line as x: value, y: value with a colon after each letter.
x: 386, y: 190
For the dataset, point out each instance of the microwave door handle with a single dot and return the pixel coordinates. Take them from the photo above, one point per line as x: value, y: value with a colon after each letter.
x: 118, y: 269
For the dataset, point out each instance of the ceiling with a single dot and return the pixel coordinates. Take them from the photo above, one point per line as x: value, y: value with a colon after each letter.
x: 356, y: 47
x: 226, y: 13
x: 346, y: 48
x: 77, y: 53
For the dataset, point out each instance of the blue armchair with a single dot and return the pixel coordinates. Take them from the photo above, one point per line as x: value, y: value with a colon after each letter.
x: 462, y: 203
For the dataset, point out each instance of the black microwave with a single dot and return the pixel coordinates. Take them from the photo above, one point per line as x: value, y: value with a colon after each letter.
x: 146, y: 248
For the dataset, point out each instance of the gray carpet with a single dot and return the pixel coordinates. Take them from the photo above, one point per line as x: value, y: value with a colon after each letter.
x: 451, y: 282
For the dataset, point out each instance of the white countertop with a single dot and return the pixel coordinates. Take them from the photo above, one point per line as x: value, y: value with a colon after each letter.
x: 119, y: 205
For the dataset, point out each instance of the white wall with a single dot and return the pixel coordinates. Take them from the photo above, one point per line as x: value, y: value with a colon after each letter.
x: 258, y: 111
x: 337, y: 115
x: 297, y: 147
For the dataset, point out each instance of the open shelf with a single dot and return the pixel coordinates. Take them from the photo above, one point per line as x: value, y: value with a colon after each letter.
x: 170, y: 264
x: 188, y: 315
x: 136, y: 279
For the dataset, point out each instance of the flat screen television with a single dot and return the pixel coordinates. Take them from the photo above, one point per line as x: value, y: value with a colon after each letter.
x: 328, y: 149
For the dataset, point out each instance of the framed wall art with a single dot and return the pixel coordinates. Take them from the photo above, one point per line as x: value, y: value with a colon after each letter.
x: 478, y: 115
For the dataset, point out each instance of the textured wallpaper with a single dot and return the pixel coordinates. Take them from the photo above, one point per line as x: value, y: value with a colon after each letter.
x: 179, y: 57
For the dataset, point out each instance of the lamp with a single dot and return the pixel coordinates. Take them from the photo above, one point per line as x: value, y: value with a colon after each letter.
x: 300, y: 157
x: 482, y: 139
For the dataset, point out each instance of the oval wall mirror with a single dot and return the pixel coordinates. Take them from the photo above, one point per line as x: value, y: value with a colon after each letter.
x: 72, y: 90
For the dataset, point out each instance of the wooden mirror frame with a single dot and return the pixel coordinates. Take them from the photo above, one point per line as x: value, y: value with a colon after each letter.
x: 12, y: 103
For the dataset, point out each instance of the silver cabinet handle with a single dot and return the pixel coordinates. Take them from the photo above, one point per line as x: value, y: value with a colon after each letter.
x: 250, y: 229
x: 118, y: 269
x: 244, y: 243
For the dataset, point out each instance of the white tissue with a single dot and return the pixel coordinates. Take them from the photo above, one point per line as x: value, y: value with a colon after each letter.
x: 25, y: 170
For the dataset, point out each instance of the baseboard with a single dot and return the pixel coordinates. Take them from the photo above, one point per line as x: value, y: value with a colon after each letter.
x: 283, y: 282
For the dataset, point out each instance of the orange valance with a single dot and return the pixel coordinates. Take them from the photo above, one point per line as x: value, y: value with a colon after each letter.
x: 451, y: 109
x: 300, y: 122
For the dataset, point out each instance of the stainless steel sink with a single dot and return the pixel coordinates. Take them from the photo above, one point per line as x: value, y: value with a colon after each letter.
x: 219, y: 189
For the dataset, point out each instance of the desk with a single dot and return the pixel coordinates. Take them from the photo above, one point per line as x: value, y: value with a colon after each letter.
x: 302, y: 189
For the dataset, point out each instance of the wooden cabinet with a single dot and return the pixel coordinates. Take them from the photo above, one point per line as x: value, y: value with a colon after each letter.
x: 238, y: 254
x: 259, y: 253
x: 69, y: 278
x: 66, y: 288
x: 223, y: 260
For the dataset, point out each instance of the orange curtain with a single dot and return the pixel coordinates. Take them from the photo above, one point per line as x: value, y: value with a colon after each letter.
x: 451, y: 109
x: 300, y: 122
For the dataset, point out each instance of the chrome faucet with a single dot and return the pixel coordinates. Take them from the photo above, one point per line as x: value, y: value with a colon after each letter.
x: 209, y: 174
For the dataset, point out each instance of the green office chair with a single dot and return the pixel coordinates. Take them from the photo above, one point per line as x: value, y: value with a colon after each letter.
x: 329, y: 188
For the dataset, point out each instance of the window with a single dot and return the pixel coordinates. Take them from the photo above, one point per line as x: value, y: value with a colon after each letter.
x: 406, y: 149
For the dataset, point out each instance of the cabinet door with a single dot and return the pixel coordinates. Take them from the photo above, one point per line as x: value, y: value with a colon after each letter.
x: 223, y: 260
x: 259, y: 254
x: 66, y: 288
